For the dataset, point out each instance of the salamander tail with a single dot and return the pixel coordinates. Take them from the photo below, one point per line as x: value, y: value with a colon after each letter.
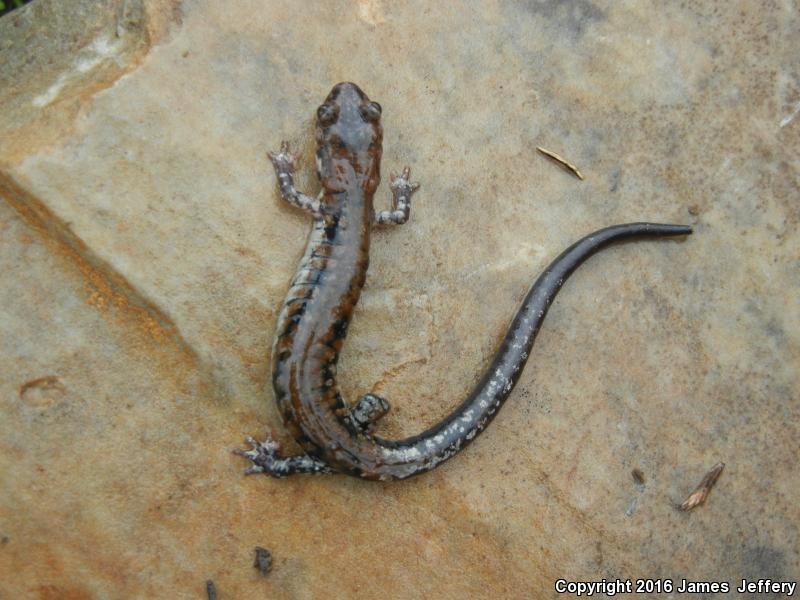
x: 404, y: 458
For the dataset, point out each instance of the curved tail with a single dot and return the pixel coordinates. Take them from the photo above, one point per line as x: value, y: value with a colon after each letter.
x: 398, y: 459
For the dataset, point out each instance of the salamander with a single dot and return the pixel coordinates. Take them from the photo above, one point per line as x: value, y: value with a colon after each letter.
x: 337, y: 437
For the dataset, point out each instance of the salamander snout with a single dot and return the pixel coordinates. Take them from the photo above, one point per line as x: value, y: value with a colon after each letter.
x: 347, y: 101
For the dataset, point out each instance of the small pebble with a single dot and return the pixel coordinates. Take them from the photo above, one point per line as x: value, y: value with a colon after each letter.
x: 211, y: 590
x: 263, y: 560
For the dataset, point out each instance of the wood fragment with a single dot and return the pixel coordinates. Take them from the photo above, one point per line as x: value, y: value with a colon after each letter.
x: 700, y: 493
x: 562, y: 161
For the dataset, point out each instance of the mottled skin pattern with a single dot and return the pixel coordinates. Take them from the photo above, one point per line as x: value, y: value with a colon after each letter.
x: 313, y: 323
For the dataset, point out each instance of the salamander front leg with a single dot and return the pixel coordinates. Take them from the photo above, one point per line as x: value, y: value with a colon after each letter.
x: 367, y: 411
x: 266, y: 459
x: 284, y: 163
x: 402, y: 190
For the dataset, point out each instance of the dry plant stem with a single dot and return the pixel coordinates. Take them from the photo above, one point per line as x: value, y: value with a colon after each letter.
x: 562, y: 161
x: 700, y: 493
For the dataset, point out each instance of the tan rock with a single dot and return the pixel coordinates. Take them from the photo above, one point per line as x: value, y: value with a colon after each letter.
x: 145, y: 254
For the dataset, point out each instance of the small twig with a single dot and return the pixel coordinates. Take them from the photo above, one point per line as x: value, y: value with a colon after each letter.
x: 562, y: 161
x: 263, y: 560
x: 700, y: 493
x: 638, y: 476
x: 48, y: 382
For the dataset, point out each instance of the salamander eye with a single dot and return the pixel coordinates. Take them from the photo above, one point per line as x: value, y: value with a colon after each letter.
x: 327, y: 113
x: 371, y: 112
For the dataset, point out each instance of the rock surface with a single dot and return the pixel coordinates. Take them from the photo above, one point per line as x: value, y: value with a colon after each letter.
x: 144, y: 254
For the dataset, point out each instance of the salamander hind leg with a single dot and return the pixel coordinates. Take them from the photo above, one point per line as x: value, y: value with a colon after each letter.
x: 402, y: 190
x: 266, y: 459
x: 284, y: 163
x: 367, y: 411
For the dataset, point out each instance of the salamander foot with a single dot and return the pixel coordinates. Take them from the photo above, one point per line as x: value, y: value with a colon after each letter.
x: 367, y: 411
x: 402, y: 190
x: 266, y: 459
x: 283, y: 160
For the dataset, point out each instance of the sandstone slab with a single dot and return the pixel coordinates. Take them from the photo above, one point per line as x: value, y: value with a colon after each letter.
x: 144, y: 253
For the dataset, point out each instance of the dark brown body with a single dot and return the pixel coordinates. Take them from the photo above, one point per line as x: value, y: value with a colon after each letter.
x: 325, y: 290
x: 313, y: 323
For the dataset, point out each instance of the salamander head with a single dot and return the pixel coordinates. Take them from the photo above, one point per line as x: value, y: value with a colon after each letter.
x: 349, y: 136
